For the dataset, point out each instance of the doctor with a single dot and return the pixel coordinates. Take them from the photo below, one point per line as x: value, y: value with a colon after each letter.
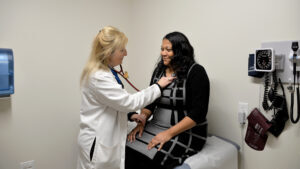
x: 105, y: 104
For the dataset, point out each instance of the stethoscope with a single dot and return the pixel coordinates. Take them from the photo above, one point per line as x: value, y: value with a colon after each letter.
x: 125, y: 76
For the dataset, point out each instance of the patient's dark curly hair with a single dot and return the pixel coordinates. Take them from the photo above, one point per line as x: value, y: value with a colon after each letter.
x: 183, y: 55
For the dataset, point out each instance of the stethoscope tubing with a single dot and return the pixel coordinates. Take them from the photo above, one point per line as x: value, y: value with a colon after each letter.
x: 121, y: 72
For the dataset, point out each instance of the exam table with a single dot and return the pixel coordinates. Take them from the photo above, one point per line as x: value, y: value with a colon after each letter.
x: 217, y: 153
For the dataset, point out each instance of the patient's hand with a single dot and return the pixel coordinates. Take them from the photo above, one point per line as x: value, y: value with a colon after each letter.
x: 138, y: 129
x: 161, y: 138
x: 139, y: 118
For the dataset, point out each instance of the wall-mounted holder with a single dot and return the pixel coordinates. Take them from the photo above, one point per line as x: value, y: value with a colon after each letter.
x: 291, y: 59
x: 6, y: 72
x: 283, y: 64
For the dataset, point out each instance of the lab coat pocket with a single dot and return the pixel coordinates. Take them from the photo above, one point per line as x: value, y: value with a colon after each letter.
x: 108, y: 157
x: 92, y: 149
x: 93, y: 154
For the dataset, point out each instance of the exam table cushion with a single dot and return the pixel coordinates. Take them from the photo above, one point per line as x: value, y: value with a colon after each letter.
x: 217, y: 153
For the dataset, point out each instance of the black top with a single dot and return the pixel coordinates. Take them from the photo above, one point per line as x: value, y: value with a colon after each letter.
x: 197, y: 93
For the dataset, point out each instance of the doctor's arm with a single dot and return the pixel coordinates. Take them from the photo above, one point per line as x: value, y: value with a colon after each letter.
x: 109, y: 92
x: 140, y: 126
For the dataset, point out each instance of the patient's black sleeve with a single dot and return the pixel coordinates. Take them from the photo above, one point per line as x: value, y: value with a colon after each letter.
x: 197, y: 98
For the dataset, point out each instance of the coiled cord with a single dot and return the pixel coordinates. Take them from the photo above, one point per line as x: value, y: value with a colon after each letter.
x: 270, y: 93
x: 266, y: 91
x: 274, y: 91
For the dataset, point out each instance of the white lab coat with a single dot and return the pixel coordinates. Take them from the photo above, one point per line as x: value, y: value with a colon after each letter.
x: 103, y: 116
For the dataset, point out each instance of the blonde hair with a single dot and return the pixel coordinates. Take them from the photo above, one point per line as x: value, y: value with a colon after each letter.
x: 104, y: 45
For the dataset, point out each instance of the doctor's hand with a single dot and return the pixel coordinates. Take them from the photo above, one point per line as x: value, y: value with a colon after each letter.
x: 164, y: 81
x: 161, y: 138
x: 139, y: 118
x: 138, y: 129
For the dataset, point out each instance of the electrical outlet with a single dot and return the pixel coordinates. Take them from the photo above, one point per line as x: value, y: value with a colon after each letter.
x: 242, y: 112
x: 27, y: 165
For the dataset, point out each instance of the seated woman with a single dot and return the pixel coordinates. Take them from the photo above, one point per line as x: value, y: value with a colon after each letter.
x: 178, y: 128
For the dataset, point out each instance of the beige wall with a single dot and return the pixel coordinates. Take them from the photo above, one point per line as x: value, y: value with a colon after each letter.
x: 51, y: 41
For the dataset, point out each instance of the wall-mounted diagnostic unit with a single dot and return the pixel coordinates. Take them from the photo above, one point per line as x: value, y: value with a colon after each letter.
x: 6, y: 72
x: 287, y: 60
x: 278, y: 63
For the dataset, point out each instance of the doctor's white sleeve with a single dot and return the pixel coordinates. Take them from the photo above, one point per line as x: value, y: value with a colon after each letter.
x: 110, y: 93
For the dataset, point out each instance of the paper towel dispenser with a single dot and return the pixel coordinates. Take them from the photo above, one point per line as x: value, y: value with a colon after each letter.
x: 6, y: 72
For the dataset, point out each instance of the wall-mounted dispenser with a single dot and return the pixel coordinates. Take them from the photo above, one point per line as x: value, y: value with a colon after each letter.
x: 6, y: 72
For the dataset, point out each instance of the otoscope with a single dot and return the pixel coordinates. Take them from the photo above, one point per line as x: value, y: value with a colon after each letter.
x: 295, y: 47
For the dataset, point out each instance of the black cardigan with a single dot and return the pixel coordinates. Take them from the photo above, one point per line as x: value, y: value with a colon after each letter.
x: 197, y: 94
